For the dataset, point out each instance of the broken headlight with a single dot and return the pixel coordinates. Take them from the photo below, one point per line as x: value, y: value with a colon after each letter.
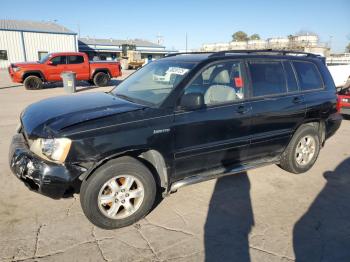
x: 55, y: 149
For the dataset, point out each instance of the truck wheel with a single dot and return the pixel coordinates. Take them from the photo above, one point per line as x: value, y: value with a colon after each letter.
x: 302, y: 151
x: 101, y: 79
x: 118, y: 194
x: 33, y: 83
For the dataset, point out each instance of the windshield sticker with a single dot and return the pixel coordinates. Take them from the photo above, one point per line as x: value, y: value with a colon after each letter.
x: 177, y: 70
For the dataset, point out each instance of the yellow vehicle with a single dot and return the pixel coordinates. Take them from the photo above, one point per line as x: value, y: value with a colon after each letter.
x: 134, y: 59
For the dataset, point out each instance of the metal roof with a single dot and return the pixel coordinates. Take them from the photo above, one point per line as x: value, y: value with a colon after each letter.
x: 137, y: 42
x: 33, y: 26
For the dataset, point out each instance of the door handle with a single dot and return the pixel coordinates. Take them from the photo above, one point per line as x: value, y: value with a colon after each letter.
x: 297, y: 100
x: 242, y: 109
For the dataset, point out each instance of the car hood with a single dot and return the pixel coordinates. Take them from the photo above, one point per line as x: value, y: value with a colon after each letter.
x: 48, y: 117
x: 25, y: 63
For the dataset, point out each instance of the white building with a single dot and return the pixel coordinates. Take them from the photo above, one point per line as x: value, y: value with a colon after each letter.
x: 22, y: 41
x: 338, y: 59
x: 308, y: 43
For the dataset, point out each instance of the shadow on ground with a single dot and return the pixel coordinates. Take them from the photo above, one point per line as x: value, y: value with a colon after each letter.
x: 229, y: 220
x: 323, y: 232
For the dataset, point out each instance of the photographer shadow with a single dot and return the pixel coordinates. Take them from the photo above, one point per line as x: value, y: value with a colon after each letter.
x: 323, y: 232
x: 229, y: 220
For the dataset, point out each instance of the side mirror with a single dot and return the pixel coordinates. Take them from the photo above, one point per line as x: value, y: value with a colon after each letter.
x: 192, y: 101
x: 50, y: 62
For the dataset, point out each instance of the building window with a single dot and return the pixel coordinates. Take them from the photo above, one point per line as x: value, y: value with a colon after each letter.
x: 3, y: 55
x: 42, y: 54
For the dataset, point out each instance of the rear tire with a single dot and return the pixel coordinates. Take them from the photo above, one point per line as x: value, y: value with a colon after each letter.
x: 302, y: 151
x: 33, y: 83
x: 101, y: 79
x: 108, y: 200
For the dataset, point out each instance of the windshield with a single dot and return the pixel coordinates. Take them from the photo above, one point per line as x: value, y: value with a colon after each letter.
x: 44, y: 59
x: 153, y: 83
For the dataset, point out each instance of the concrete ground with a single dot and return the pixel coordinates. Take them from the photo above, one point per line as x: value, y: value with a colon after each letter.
x: 264, y: 215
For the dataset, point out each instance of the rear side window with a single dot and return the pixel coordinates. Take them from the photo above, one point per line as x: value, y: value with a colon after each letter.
x: 308, y: 75
x: 291, y: 80
x: 58, y: 60
x: 75, y: 59
x: 267, y: 78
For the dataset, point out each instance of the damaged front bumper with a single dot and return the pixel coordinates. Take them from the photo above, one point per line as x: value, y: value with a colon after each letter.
x: 50, y: 179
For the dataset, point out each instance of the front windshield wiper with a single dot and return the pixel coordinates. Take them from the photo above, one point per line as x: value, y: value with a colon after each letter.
x: 133, y: 100
x: 127, y: 98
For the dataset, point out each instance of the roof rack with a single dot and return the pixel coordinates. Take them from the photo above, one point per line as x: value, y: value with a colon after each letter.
x: 280, y: 52
x: 225, y: 52
x: 187, y: 53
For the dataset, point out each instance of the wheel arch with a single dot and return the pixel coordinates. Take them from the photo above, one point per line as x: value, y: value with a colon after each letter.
x: 103, y: 70
x: 319, y: 125
x: 37, y: 73
x: 151, y: 158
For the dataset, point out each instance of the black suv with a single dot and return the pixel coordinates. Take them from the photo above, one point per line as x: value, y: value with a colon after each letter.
x: 180, y: 120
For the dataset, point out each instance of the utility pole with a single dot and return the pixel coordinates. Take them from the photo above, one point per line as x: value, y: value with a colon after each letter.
x: 160, y: 39
x: 186, y: 42
x: 330, y: 42
x: 78, y: 30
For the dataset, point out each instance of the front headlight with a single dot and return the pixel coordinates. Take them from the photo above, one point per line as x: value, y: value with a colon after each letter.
x: 16, y: 69
x: 55, y: 149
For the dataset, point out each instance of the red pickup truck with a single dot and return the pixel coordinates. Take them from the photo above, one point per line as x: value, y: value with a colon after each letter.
x: 344, y: 100
x: 49, y: 69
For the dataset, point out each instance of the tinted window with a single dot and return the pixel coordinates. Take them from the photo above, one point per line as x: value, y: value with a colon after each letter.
x: 220, y: 83
x: 75, y: 59
x: 308, y: 75
x: 267, y: 78
x: 291, y: 80
x: 58, y: 60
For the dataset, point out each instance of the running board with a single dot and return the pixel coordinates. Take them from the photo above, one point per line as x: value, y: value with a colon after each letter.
x: 217, y: 173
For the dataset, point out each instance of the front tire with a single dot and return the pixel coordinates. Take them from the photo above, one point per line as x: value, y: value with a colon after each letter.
x: 118, y: 194
x: 101, y: 79
x: 302, y: 151
x: 33, y: 83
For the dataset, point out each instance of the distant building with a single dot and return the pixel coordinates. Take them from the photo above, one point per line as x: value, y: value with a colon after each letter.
x: 338, y: 59
x: 307, y: 43
x: 22, y: 41
x: 110, y: 49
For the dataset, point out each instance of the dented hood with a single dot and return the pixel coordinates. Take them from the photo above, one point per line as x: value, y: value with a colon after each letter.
x: 47, y: 117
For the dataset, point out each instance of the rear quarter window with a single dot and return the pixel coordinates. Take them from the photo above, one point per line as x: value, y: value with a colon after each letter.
x: 308, y: 75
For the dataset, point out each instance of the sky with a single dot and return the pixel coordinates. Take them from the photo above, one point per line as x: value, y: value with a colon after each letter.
x: 204, y: 21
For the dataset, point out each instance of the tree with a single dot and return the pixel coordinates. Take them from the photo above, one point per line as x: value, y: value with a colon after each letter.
x: 239, y: 36
x: 254, y: 37
x: 348, y: 48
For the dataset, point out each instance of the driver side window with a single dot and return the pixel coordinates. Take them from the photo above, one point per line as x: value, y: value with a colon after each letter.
x: 220, y: 83
x: 59, y: 60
